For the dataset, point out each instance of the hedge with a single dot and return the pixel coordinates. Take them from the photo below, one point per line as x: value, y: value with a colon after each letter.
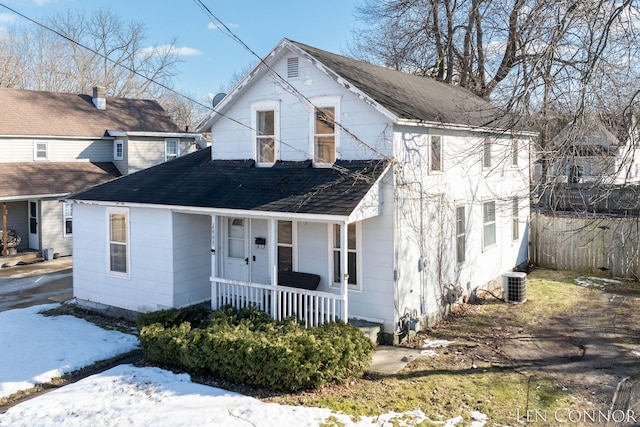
x: 249, y: 347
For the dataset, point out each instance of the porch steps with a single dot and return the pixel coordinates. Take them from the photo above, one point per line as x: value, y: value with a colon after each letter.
x: 21, y: 258
x: 371, y: 330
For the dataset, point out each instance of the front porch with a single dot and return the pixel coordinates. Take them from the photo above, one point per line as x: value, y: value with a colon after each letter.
x: 284, y: 267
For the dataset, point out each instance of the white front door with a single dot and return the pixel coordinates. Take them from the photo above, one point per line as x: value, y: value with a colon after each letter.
x: 34, y: 220
x: 236, y: 253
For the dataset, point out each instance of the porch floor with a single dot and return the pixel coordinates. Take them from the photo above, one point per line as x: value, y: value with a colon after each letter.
x: 21, y: 258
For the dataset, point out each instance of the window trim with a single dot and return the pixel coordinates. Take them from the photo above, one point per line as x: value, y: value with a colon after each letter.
x: 515, y: 218
x: 120, y: 142
x: 66, y: 217
x: 358, y: 251
x: 324, y: 102
x: 487, y: 153
x: 168, y: 156
x: 293, y: 245
x: 119, y: 211
x: 486, y: 246
x: 36, y: 151
x: 515, y: 153
x: 462, y: 234
x: 267, y: 105
x: 431, y: 156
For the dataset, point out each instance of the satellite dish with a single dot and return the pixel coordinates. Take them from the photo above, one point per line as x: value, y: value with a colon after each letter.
x: 216, y: 99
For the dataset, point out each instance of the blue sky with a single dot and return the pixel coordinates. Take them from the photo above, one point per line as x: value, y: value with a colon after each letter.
x: 211, y: 58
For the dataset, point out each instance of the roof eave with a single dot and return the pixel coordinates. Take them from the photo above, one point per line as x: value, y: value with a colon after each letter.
x: 223, y: 211
x: 116, y: 133
x: 456, y: 126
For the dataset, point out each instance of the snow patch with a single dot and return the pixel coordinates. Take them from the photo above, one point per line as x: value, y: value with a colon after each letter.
x: 598, y: 282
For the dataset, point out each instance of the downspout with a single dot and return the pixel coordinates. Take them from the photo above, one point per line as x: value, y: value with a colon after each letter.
x: 273, y: 262
x: 214, y: 261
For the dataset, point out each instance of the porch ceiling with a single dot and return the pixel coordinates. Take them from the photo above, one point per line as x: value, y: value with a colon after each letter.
x: 197, y: 181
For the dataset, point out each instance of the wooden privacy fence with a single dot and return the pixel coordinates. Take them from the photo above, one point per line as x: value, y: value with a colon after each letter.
x: 586, y: 243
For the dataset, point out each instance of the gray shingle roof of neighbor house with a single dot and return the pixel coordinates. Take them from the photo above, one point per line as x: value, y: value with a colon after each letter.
x: 195, y: 180
x: 412, y: 97
x: 40, y: 178
x: 28, y: 112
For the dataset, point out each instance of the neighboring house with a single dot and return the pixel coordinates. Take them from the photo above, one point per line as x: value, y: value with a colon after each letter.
x: 585, y: 151
x: 53, y: 144
x: 368, y: 192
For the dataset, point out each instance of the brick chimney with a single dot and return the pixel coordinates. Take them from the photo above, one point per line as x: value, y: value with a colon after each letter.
x: 99, y: 99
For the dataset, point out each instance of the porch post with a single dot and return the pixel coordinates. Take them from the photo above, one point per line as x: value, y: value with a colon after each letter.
x: 273, y: 265
x: 344, y: 263
x: 214, y: 261
x: 5, y: 250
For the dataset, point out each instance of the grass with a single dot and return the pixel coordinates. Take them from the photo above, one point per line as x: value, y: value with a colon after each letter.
x: 470, y: 374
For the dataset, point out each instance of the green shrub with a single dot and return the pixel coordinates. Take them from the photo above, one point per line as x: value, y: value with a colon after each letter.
x: 197, y: 315
x: 249, y: 347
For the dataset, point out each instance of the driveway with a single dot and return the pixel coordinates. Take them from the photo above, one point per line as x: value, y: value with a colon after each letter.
x: 34, y: 284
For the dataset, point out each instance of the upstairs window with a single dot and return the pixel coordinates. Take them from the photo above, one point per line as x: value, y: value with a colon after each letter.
x: 118, y: 149
x: 515, y: 148
x: 171, y: 149
x: 324, y: 135
x: 265, y: 137
x: 40, y: 151
x: 265, y: 125
x: 486, y: 153
x: 436, y: 154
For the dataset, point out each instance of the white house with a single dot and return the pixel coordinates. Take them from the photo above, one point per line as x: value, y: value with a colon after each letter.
x: 585, y: 151
x: 53, y: 144
x: 333, y: 189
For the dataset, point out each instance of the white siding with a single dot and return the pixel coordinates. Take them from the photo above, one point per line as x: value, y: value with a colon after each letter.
x: 313, y: 252
x: 60, y: 150
x: 234, y: 141
x: 426, y: 217
x: 150, y: 285
x: 142, y: 153
x: 191, y: 258
x: 52, y: 228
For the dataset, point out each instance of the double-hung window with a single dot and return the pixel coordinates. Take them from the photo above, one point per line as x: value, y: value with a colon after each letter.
x: 67, y: 218
x: 119, y: 242
x: 266, y: 132
x: 436, y: 153
x: 325, y: 131
x: 489, y: 224
x: 40, y: 151
x: 461, y: 234
x: 171, y: 149
x: 486, y: 153
x: 285, y: 246
x: 515, y: 223
x: 352, y: 255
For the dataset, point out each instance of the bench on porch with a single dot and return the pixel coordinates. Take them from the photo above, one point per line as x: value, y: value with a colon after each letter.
x: 295, y: 279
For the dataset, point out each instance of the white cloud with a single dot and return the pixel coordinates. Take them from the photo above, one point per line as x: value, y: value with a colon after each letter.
x: 7, y: 18
x: 213, y: 26
x: 170, y: 49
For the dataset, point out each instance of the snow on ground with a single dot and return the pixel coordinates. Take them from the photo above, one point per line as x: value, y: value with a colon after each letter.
x: 598, y: 282
x: 130, y: 396
x: 36, y: 348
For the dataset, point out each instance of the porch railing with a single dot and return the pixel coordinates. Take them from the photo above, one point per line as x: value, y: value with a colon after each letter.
x: 313, y: 308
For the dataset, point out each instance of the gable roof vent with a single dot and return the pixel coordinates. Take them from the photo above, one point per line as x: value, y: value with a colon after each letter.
x: 293, y: 69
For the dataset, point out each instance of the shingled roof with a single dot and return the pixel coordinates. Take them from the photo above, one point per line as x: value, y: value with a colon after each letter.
x: 412, y: 97
x: 37, y: 178
x: 27, y: 112
x: 197, y: 181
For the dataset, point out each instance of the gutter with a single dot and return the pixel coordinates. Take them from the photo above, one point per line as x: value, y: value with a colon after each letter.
x: 32, y: 197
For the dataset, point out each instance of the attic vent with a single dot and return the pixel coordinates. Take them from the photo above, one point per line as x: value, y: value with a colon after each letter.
x: 293, y: 70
